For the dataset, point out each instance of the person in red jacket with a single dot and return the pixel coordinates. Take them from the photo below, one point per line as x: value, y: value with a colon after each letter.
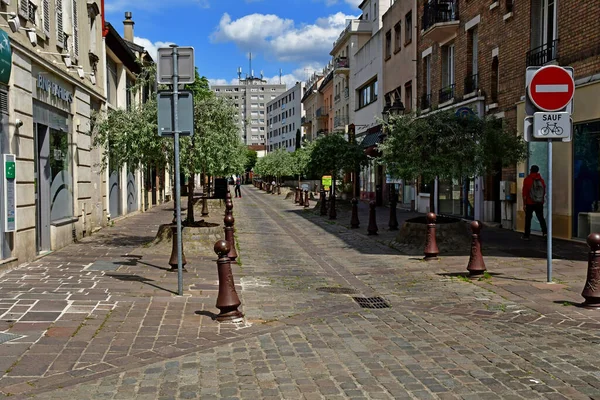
x: 534, y: 192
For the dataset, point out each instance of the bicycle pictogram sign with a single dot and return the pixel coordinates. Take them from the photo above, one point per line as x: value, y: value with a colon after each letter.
x: 552, y: 128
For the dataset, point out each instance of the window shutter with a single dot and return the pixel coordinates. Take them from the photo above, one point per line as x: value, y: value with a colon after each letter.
x: 3, y: 100
x: 46, y: 12
x: 75, y: 30
x: 60, y: 35
x: 24, y: 8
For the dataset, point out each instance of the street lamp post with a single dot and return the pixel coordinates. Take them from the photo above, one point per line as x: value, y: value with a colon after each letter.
x: 394, y: 110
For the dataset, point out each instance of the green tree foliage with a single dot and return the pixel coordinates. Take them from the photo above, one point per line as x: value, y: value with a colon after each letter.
x: 448, y: 146
x: 251, y: 157
x: 332, y: 153
x: 275, y: 164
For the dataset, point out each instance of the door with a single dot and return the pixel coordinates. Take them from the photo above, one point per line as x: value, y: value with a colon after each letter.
x: 132, y: 193
x: 114, y: 190
x: 42, y: 187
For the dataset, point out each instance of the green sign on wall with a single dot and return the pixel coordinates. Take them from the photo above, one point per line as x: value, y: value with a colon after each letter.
x: 10, y: 169
x: 5, y: 57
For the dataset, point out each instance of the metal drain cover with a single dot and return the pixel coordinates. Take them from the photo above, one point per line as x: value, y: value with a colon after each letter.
x: 7, y: 337
x: 337, y: 290
x: 371, y: 302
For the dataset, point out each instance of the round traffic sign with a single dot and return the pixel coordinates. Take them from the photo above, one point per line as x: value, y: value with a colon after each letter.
x: 551, y: 88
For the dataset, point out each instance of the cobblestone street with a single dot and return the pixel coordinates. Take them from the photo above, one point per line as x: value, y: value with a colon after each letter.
x: 99, y: 319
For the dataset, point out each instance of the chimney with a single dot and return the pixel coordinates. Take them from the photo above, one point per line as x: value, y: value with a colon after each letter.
x: 128, y: 27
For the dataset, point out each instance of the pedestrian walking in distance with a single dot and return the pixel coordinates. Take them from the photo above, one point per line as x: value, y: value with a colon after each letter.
x: 238, y: 190
x: 534, y: 193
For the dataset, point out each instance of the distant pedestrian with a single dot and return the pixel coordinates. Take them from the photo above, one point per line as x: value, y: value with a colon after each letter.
x: 534, y: 193
x: 238, y: 190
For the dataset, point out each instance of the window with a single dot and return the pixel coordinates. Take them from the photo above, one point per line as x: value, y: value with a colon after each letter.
x: 426, y: 100
x: 543, y: 32
x: 448, y: 65
x: 495, y: 81
x: 111, y: 80
x: 367, y: 94
x: 408, y: 96
x: 60, y: 35
x: 253, y: 97
x: 61, y: 176
x: 388, y: 44
x: 397, y: 36
x: 374, y: 11
x: 471, y: 80
x: 408, y: 28
x: 31, y: 13
x: 128, y: 93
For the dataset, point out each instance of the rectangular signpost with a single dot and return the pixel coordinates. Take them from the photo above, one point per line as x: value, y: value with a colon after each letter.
x: 548, y: 105
x: 169, y: 70
x: 10, y: 193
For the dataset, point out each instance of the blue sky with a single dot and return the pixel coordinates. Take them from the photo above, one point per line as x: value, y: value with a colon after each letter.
x: 294, y: 35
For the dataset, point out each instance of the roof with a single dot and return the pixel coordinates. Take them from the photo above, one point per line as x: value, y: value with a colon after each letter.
x: 327, y: 79
x: 122, y: 50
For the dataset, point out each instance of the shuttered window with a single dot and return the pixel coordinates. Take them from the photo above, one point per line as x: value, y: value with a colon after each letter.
x: 75, y: 30
x: 46, y: 13
x: 24, y: 8
x: 3, y: 100
x: 60, y: 35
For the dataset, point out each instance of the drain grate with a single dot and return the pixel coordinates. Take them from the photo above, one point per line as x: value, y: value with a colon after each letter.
x: 7, y: 337
x: 371, y: 302
x: 337, y: 290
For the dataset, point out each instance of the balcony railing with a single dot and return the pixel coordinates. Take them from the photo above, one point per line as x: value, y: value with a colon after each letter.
x: 447, y: 93
x: 322, y: 112
x: 340, y: 120
x: 346, y: 93
x: 439, y: 11
x: 471, y: 83
x: 543, y: 54
x: 305, y: 121
x: 426, y: 101
x: 341, y: 62
x: 337, y: 98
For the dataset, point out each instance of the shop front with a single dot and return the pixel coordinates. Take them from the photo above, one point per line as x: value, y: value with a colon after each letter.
x: 7, y: 160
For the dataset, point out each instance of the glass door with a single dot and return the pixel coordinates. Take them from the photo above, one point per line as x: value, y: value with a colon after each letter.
x: 586, y: 179
x: 42, y: 187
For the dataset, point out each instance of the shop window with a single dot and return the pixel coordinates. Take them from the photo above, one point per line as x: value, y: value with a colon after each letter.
x: 61, y: 187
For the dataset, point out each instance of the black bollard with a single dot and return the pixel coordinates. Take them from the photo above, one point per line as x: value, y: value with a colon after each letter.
x: 297, y: 196
x: 393, y: 223
x: 431, y: 248
x: 476, y: 266
x: 278, y: 190
x: 332, y: 211
x: 372, y: 228
x: 301, y: 199
x: 354, y: 221
x: 323, y: 202
x: 227, y: 299
x: 173, y: 258
x: 204, y: 206
x: 229, y: 229
x: 306, y: 202
x: 591, y: 290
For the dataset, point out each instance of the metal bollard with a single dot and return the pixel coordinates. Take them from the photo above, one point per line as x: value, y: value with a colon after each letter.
x: 297, y: 196
x: 229, y: 229
x: 278, y: 190
x: 229, y: 208
x: 306, y: 199
x: 431, y: 248
x: 332, y: 212
x: 591, y: 290
x: 173, y: 258
x: 476, y: 266
x: 204, y: 206
x: 301, y: 198
x: 372, y: 228
x: 393, y: 223
x: 354, y: 221
x: 323, y: 202
x: 227, y: 300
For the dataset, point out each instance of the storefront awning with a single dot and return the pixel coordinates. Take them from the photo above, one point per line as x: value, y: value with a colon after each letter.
x: 372, y: 139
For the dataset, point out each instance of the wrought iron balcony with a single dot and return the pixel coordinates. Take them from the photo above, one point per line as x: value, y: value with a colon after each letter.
x: 322, y: 112
x: 336, y: 98
x: 346, y: 93
x: 471, y: 83
x: 426, y: 101
x: 543, y: 54
x: 340, y: 121
x: 447, y: 93
x: 341, y: 65
x: 440, y: 19
x: 305, y: 121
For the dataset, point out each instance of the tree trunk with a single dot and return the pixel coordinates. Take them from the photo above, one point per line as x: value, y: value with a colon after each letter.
x: 190, y: 205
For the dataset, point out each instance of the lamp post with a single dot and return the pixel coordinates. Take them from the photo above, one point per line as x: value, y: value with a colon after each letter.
x: 394, y: 109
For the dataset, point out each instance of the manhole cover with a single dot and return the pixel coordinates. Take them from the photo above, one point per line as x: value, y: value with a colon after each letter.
x: 371, y: 302
x: 101, y: 265
x: 337, y: 290
x: 6, y: 337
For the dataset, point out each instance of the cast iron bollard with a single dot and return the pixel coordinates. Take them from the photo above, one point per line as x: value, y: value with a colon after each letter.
x: 301, y: 199
x: 323, y: 202
x: 393, y: 224
x: 204, y: 206
x: 476, y: 265
x: 431, y: 248
x: 278, y: 190
x: 591, y: 290
x: 332, y: 212
x: 297, y: 196
x: 227, y: 300
x: 354, y: 222
x: 229, y: 229
x: 372, y: 228
x: 173, y: 258
x: 229, y: 208
x: 306, y: 198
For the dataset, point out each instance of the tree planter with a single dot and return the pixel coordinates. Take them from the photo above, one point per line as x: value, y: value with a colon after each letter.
x: 452, y: 234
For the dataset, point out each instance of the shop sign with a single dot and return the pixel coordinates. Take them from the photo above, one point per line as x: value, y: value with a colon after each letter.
x: 326, y: 181
x: 54, y: 89
x: 5, y: 57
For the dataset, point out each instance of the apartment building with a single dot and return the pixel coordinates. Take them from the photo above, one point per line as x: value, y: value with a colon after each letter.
x: 399, y: 70
x: 285, y: 114
x: 311, y: 102
x: 250, y: 96
x: 324, y: 113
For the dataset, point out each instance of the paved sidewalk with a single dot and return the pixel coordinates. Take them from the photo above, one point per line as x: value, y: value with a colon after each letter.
x: 305, y: 336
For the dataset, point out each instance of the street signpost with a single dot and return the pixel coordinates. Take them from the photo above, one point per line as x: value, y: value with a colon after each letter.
x: 548, y: 105
x: 171, y: 67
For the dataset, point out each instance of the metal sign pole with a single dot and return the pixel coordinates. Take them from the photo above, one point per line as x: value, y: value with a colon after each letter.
x: 549, y: 222
x: 177, y: 171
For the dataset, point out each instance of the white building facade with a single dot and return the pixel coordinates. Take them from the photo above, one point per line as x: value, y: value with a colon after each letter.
x: 285, y: 114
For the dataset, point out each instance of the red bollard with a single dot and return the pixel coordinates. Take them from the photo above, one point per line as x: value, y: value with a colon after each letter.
x: 301, y: 199
x: 476, y: 265
x: 204, y: 206
x: 297, y: 196
x: 229, y: 222
x: 431, y: 248
x: 306, y: 202
x: 354, y: 221
x: 278, y: 190
x: 227, y: 300
x: 591, y: 290
x: 372, y: 228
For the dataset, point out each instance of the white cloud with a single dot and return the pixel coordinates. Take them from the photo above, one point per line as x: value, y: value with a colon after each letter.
x: 151, y: 48
x: 351, y: 3
x: 280, y: 38
x: 113, y: 6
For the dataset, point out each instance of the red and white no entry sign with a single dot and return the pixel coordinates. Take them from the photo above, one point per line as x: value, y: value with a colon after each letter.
x: 551, y: 88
